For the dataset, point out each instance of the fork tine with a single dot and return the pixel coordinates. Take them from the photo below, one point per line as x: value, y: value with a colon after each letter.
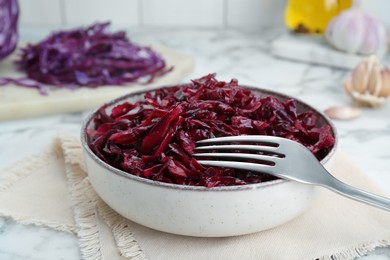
x: 254, y: 167
x: 272, y: 140
x: 247, y: 156
x: 256, y: 148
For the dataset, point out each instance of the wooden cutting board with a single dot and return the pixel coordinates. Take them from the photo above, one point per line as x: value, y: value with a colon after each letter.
x: 20, y: 102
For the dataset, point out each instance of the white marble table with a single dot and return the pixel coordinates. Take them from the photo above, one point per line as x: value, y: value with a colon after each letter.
x: 242, y: 55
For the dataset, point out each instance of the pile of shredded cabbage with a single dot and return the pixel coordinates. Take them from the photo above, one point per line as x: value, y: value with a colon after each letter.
x: 87, y: 57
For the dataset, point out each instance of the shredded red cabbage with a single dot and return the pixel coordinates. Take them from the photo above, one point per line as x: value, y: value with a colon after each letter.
x: 89, y: 57
x: 155, y: 138
x: 9, y: 12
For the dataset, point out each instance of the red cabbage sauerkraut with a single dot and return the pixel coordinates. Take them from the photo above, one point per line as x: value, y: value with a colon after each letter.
x: 155, y: 138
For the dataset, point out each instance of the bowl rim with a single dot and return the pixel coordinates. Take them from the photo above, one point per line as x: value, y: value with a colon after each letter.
x: 96, y: 159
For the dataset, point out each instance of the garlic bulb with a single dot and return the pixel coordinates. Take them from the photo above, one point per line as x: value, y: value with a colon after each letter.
x: 355, y: 32
x: 368, y: 84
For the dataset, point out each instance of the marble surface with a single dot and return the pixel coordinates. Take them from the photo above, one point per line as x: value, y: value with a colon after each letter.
x: 231, y: 54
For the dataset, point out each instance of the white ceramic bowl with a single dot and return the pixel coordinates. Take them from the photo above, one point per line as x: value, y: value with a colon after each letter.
x: 200, y: 211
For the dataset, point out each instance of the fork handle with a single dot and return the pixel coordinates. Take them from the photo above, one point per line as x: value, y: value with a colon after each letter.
x: 357, y: 194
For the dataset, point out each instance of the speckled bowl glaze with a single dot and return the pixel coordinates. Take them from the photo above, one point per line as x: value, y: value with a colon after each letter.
x: 200, y: 211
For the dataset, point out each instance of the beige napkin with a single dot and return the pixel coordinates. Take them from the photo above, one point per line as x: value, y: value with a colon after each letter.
x: 53, y: 190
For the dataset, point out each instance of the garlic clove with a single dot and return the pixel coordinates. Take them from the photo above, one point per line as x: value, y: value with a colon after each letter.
x: 385, y: 91
x: 348, y: 84
x: 374, y: 83
x: 343, y: 112
x: 359, y: 78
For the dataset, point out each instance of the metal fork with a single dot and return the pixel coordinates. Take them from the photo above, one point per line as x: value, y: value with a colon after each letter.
x: 282, y: 158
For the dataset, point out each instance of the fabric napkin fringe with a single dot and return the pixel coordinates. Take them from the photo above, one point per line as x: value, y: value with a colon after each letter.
x: 29, y: 221
x: 87, y: 205
x: 124, y: 238
x: 358, y: 251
